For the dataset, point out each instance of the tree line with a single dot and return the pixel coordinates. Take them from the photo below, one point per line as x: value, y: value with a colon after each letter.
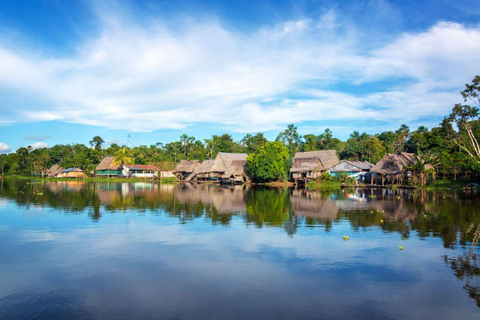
x: 451, y: 147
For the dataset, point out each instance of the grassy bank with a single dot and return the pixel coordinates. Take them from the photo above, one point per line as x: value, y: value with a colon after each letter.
x: 445, y: 184
x: 324, y: 185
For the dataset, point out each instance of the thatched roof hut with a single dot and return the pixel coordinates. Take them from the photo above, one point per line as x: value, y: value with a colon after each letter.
x: 54, y: 170
x: 185, y: 168
x: 311, y: 163
x: 392, y: 164
x: 202, y: 171
x: 230, y: 167
x: 72, y: 173
x: 108, y: 164
x: 314, y: 160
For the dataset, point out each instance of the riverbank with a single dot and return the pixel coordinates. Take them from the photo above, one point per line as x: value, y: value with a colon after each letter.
x: 94, y: 179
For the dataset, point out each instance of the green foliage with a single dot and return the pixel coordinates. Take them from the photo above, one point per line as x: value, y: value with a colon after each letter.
x: 291, y: 139
x: 269, y: 162
x: 123, y: 156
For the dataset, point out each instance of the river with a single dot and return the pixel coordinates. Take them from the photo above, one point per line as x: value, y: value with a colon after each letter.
x: 78, y: 250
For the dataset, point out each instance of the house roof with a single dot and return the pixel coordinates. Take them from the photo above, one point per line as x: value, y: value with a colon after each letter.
x: 237, y: 168
x: 55, y: 169
x: 145, y: 167
x: 72, y: 170
x: 396, y: 163
x: 347, y: 165
x: 186, y: 166
x: 107, y: 164
x: 204, y: 167
x: 227, y: 161
x: 314, y: 160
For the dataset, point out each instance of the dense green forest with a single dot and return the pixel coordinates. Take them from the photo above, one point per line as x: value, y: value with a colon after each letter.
x: 451, y: 148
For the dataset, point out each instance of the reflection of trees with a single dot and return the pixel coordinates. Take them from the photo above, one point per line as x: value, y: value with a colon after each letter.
x: 466, y: 267
x: 270, y: 207
x: 451, y: 216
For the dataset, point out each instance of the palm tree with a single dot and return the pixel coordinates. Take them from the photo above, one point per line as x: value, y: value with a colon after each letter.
x: 123, y: 156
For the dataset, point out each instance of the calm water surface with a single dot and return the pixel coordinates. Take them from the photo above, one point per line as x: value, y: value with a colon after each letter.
x: 72, y: 250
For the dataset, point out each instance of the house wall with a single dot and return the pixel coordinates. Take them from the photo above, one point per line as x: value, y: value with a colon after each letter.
x: 109, y: 173
x: 143, y: 174
x: 74, y: 175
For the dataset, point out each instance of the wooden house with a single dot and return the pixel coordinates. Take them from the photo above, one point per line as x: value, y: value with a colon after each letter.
x: 311, y: 164
x: 355, y: 169
x: 54, y: 171
x: 202, y: 172
x: 140, y: 171
x: 185, y: 168
x: 393, y: 168
x: 107, y: 168
x: 72, y: 173
x: 229, y: 168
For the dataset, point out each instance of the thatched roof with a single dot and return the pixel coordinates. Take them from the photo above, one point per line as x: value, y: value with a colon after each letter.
x: 231, y: 162
x: 107, y: 164
x: 396, y: 163
x: 186, y: 166
x: 314, y: 160
x: 54, y: 170
x: 237, y: 168
x: 204, y: 167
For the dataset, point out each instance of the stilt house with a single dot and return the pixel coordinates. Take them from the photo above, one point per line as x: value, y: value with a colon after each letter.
x: 107, y: 168
x: 54, y: 171
x: 230, y: 168
x: 311, y: 164
x: 185, y: 168
x: 392, y: 169
x: 202, y: 172
x: 355, y: 169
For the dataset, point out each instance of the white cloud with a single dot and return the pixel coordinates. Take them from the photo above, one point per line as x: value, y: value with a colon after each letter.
x: 4, y: 148
x: 39, y: 145
x: 151, y: 77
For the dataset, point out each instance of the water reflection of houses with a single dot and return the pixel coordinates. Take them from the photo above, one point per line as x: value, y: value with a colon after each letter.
x: 58, y: 186
x: 109, y: 193
x: 223, y: 199
x: 388, y: 203
x: 313, y: 205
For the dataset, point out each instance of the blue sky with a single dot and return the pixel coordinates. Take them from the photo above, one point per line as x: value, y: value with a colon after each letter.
x: 70, y: 70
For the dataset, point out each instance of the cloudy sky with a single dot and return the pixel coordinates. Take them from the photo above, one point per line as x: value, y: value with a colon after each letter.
x: 153, y: 70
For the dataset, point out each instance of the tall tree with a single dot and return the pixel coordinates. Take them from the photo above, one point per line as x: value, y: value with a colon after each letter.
x: 97, y: 142
x: 290, y: 138
x: 466, y: 118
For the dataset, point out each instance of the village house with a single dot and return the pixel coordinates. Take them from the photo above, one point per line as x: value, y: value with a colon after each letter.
x: 107, y: 168
x: 353, y: 169
x: 72, y: 173
x: 54, y: 171
x: 311, y: 164
x: 139, y: 171
x: 229, y: 168
x: 394, y: 168
x: 185, y: 168
x: 202, y: 172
